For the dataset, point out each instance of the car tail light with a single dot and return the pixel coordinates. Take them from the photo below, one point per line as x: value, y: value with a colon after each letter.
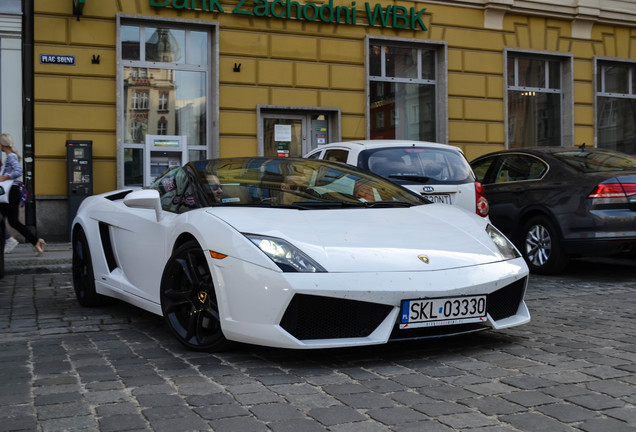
x: 611, y: 191
x: 482, y: 207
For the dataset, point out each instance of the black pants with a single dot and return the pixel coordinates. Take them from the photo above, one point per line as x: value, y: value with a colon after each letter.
x: 10, y: 212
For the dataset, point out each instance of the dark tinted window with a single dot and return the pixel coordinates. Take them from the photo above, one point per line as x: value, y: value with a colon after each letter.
x: 517, y: 167
x: 482, y: 167
x: 596, y: 161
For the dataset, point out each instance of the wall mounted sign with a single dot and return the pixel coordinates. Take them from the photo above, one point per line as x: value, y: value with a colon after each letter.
x: 397, y: 17
x: 283, y: 132
x: 57, y: 59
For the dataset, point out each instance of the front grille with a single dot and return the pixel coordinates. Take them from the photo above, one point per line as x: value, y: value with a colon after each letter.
x: 315, y: 317
x: 504, y: 303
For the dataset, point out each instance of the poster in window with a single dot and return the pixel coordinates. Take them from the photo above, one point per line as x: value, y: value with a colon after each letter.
x: 282, y: 133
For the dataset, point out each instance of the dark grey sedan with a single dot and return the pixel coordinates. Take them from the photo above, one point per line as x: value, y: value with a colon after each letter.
x: 555, y: 203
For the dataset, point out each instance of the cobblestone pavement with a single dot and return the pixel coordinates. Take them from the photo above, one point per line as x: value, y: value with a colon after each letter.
x: 67, y: 368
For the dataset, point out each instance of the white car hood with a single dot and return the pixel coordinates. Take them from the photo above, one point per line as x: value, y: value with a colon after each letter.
x: 374, y: 240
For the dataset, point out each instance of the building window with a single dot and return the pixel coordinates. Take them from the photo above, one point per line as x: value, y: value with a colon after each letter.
x: 139, y: 100
x: 616, y: 106
x: 162, y: 127
x: 403, y: 78
x: 379, y: 121
x: 138, y: 128
x: 163, y: 101
x: 535, y: 111
x: 165, y: 77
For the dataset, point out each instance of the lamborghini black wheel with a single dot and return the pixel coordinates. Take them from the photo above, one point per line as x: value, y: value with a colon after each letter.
x: 188, y: 300
x: 83, y: 276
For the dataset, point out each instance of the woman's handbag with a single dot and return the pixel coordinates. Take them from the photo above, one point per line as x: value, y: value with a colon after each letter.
x: 5, y: 187
x: 23, y: 192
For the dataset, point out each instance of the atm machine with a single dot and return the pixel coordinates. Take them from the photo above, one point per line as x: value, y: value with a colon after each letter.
x: 163, y: 152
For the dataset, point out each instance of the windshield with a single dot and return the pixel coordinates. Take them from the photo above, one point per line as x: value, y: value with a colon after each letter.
x: 431, y: 165
x: 597, y: 161
x: 283, y: 182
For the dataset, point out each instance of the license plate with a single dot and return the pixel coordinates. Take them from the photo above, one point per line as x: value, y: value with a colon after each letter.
x: 442, y: 311
x: 443, y: 198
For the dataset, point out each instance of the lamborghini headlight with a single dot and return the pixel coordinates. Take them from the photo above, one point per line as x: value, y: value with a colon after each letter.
x: 506, y: 248
x: 286, y: 256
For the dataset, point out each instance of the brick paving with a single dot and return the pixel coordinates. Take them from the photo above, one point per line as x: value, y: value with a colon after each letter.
x: 117, y: 368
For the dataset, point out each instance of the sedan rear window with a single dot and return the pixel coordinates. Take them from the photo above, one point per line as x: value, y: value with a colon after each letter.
x: 438, y: 165
x: 597, y: 161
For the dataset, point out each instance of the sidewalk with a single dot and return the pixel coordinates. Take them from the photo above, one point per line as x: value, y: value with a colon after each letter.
x: 56, y: 258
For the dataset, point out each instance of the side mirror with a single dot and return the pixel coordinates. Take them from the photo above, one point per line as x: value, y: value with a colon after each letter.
x: 146, y: 199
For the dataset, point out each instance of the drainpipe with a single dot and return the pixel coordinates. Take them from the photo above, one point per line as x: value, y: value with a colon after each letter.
x: 27, y: 113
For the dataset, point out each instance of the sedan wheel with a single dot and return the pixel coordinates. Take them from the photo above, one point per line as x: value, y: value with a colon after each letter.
x: 83, y: 276
x: 542, y: 250
x: 188, y: 300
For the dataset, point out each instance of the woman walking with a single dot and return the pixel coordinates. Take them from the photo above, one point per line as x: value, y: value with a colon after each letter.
x: 12, y: 170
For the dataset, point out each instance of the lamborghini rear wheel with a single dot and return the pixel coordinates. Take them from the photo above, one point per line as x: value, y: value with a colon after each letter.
x: 188, y: 300
x: 83, y: 276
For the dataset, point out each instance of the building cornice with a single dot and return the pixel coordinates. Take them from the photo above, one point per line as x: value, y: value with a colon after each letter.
x: 582, y: 13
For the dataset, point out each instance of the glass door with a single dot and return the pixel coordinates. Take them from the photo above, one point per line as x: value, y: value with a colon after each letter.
x: 295, y: 132
x: 284, y: 136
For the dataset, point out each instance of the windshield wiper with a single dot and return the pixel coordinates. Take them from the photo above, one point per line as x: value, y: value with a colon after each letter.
x: 388, y: 203
x: 415, y: 178
x: 312, y: 205
x: 350, y: 204
x: 317, y: 205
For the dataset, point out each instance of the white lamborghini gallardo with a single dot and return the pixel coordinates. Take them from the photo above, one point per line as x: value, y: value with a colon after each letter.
x: 295, y: 253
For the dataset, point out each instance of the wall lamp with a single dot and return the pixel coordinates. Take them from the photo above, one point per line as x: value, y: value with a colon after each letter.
x: 78, y: 8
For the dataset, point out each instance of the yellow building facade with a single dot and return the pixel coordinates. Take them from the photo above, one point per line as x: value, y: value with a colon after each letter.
x: 310, y: 67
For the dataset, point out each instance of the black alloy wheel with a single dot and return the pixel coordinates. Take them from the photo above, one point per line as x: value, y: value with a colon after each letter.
x: 541, y: 247
x: 188, y: 300
x: 83, y: 276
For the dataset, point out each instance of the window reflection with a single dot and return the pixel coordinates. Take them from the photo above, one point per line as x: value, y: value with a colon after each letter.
x: 531, y: 72
x: 534, y: 102
x: 164, y: 102
x: 165, y: 45
x: 616, y: 124
x: 401, y: 62
x: 616, y: 79
x: 616, y: 107
x: 198, y: 48
x: 133, y: 166
x: 399, y: 109
x: 375, y: 60
x: 402, y: 111
x: 534, y: 119
x: 130, y: 42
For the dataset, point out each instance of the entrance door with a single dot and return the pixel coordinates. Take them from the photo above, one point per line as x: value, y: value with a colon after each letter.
x: 293, y: 133
x: 284, y: 136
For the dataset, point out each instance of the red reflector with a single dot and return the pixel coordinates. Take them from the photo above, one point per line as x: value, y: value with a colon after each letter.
x: 610, y: 190
x: 482, y: 206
